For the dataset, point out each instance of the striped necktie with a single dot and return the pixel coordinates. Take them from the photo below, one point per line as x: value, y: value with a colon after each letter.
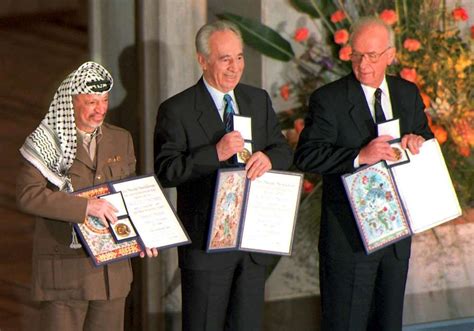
x: 379, y: 115
x: 228, y: 114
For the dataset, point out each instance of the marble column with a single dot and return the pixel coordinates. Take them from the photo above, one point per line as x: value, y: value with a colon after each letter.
x: 167, y: 65
x: 148, y: 46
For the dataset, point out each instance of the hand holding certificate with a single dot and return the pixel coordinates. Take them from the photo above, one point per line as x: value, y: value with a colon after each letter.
x: 144, y: 219
x: 98, y: 240
x: 150, y: 212
x: 256, y: 215
x: 390, y: 204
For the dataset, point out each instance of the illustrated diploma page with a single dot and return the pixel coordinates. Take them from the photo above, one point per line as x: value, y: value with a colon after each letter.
x: 258, y: 215
x: 390, y: 204
x: 151, y: 213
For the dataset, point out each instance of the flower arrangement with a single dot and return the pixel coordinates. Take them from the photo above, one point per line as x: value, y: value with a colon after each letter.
x: 431, y: 52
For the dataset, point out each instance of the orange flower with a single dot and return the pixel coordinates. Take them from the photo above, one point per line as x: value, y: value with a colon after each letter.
x: 345, y: 53
x: 440, y: 134
x: 389, y: 16
x: 412, y: 45
x: 285, y: 92
x: 307, y: 186
x: 460, y: 14
x: 462, y: 134
x: 301, y: 34
x: 338, y: 16
x: 464, y: 150
x: 298, y: 124
x: 341, y: 36
x: 408, y: 74
x: 465, y: 130
x: 430, y: 120
x: 426, y: 99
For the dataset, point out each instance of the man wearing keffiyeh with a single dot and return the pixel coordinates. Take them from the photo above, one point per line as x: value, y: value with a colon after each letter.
x: 71, y: 149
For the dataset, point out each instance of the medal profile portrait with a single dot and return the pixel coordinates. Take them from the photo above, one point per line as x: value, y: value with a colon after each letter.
x: 122, y: 229
x: 244, y: 155
x: 398, y: 153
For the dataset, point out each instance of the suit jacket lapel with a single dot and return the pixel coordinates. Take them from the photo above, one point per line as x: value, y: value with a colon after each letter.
x: 396, y: 100
x: 207, y: 113
x: 360, y: 112
x: 244, y: 102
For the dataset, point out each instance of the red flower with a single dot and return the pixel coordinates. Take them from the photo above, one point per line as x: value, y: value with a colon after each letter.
x: 345, y: 53
x: 440, y: 134
x: 307, y: 186
x: 285, y: 92
x: 408, y: 74
x: 426, y: 99
x: 301, y: 34
x: 389, y: 16
x: 341, y: 36
x: 472, y: 31
x: 464, y: 150
x: 338, y: 16
x: 412, y: 45
x: 298, y: 124
x: 460, y: 14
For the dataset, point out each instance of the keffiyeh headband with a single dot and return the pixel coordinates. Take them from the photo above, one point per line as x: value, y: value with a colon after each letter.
x: 52, y: 146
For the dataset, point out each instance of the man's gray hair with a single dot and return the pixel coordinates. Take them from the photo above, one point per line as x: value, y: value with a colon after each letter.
x: 374, y: 21
x: 205, y: 32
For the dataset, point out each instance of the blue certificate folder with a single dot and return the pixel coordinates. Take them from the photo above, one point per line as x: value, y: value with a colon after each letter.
x: 258, y: 215
x: 390, y: 203
x: 144, y: 212
x: 377, y: 207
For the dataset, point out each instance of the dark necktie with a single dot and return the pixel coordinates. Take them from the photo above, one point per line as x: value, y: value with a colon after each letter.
x: 379, y: 115
x: 228, y: 114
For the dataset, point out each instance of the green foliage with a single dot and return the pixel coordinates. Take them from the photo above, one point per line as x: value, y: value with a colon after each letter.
x: 431, y: 52
x: 314, y: 8
x: 261, y: 37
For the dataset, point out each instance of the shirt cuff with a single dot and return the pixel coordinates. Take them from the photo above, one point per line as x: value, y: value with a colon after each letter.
x: 356, y: 162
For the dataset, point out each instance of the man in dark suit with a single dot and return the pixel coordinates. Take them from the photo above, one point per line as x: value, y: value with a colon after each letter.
x: 225, y: 290
x: 359, y: 291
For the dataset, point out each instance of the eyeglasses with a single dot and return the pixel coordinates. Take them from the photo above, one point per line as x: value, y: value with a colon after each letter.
x: 373, y: 57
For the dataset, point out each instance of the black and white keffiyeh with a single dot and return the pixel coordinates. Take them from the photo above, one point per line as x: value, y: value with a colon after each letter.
x: 52, y: 146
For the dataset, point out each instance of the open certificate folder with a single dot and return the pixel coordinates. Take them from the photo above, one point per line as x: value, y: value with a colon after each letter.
x: 256, y: 215
x: 426, y: 189
x: 390, y: 204
x: 145, y: 219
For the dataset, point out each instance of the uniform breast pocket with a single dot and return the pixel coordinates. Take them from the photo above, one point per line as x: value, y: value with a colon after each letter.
x: 118, y: 170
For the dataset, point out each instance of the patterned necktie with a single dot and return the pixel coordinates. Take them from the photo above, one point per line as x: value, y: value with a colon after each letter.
x: 379, y: 115
x: 228, y: 114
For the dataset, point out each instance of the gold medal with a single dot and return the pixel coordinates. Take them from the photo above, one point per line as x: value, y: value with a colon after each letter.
x: 398, y: 153
x: 122, y: 229
x: 244, y: 155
